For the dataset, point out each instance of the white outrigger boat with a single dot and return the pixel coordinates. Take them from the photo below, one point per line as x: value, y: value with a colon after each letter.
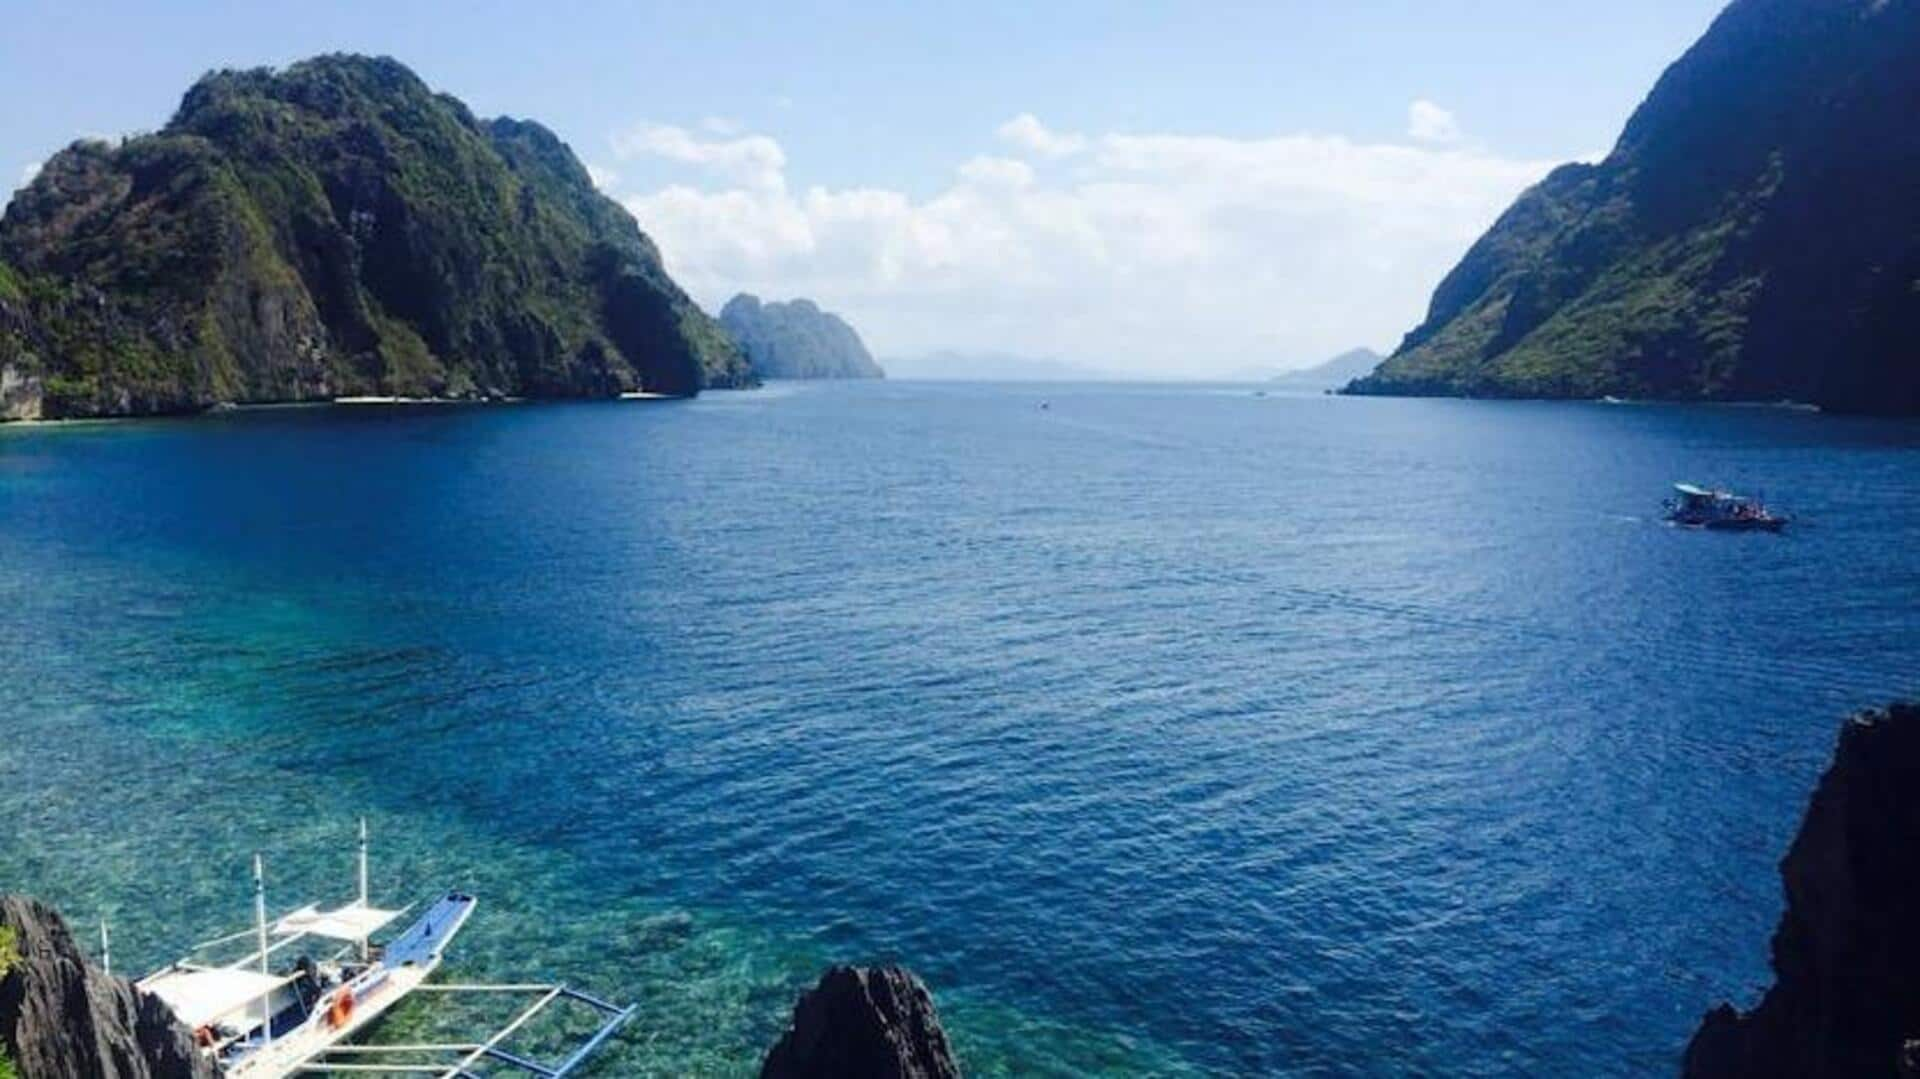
x: 1722, y: 511
x: 256, y: 1020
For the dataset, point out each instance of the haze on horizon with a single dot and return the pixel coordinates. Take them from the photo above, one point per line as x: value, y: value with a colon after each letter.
x: 1160, y: 190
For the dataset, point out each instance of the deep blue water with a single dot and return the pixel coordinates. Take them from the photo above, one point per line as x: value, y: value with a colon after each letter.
x: 1164, y: 729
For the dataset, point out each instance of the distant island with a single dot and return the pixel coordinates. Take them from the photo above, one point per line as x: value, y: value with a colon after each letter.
x: 1753, y: 235
x: 952, y: 365
x: 333, y: 229
x: 796, y: 340
x: 1326, y: 375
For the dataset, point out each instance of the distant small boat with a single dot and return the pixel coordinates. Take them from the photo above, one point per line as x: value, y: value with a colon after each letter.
x: 1701, y: 507
x: 258, y: 1018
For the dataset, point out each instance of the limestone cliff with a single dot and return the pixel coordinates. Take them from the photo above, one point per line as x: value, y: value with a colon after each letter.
x: 1753, y: 235
x: 61, y: 1017
x: 797, y: 340
x: 1846, y: 956
x: 334, y: 228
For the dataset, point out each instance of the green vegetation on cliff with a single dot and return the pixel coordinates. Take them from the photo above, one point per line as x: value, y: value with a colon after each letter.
x: 1754, y: 234
x: 9, y: 947
x: 335, y: 228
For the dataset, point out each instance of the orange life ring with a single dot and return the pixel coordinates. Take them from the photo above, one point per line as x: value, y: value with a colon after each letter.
x: 341, y: 1010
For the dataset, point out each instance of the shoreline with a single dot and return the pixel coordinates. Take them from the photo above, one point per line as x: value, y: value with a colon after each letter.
x: 352, y: 401
x: 1783, y: 404
x: 387, y: 399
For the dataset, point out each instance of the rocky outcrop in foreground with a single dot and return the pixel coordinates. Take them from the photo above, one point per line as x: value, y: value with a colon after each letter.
x: 1846, y: 957
x: 863, y: 1023
x: 63, y: 1018
x: 796, y: 340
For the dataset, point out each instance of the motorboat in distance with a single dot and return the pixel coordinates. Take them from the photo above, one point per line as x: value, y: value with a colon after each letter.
x: 1701, y: 507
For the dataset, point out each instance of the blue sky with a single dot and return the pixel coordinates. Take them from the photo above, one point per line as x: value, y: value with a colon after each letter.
x: 1194, y: 188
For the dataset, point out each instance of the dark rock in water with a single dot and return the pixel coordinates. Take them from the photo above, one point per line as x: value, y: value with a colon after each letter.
x: 863, y: 1023
x: 1846, y: 956
x: 796, y: 340
x: 1752, y: 236
x: 63, y: 1018
x: 333, y: 229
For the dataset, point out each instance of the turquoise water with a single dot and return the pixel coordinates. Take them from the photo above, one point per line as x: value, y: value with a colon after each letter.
x: 1165, y: 729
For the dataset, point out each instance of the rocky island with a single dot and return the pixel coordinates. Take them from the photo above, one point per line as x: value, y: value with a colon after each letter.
x: 333, y: 229
x: 1330, y: 374
x: 869, y: 1022
x: 796, y: 339
x: 1753, y: 235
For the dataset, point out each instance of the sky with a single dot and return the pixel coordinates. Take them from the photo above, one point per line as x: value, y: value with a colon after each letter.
x: 1178, y: 189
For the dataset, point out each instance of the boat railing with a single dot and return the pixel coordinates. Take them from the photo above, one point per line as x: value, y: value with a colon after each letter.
x: 454, y: 1060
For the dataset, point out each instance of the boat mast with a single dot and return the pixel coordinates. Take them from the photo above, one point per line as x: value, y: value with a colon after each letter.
x: 260, y: 927
x: 361, y: 944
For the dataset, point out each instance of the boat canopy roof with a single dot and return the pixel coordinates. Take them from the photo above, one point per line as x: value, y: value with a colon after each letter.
x: 354, y: 922
x: 199, y: 996
x: 1690, y: 490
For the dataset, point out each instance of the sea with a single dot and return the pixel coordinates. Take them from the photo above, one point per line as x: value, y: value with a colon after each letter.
x: 1162, y: 729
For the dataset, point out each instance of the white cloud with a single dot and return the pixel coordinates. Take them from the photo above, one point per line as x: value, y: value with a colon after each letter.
x: 754, y: 160
x: 1157, y: 253
x: 603, y: 178
x: 720, y: 125
x: 986, y: 171
x: 27, y: 174
x: 1431, y: 123
x: 1027, y: 132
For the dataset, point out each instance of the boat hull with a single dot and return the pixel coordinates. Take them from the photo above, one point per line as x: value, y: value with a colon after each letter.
x: 1768, y: 524
x: 408, y: 961
x: 1731, y: 524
